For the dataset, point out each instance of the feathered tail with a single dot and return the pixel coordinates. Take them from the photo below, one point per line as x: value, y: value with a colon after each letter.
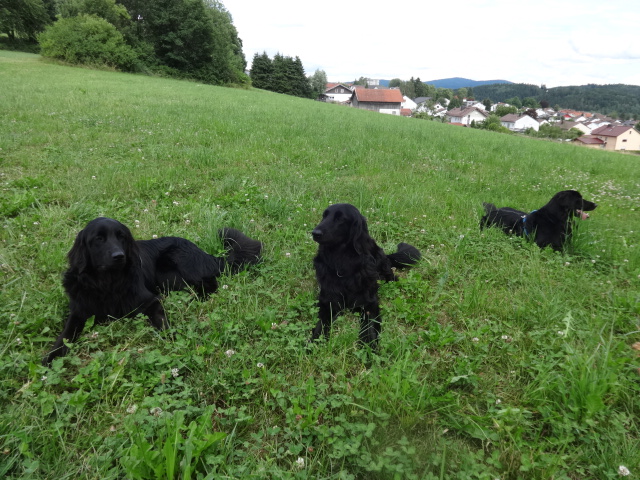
x: 241, y: 250
x: 406, y: 256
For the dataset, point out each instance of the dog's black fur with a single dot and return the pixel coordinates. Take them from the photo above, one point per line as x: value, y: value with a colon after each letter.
x: 348, y: 266
x: 550, y: 225
x: 111, y: 275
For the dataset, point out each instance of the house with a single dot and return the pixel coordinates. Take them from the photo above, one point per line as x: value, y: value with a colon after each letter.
x: 383, y: 100
x: 408, y: 103
x: 466, y: 115
x: 337, y: 92
x: 618, y: 137
x: 519, y: 123
x: 574, y: 124
x: 589, y: 141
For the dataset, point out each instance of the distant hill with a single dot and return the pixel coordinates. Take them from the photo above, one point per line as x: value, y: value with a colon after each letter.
x: 458, y: 82
x: 455, y: 83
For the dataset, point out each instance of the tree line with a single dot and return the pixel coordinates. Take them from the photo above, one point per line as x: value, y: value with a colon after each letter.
x: 183, y: 38
x: 286, y: 75
x: 618, y: 101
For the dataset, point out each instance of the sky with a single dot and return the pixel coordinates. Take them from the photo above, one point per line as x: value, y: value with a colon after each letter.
x: 550, y: 42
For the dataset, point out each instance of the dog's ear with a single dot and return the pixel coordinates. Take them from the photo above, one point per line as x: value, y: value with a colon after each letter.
x: 132, y: 251
x: 359, y: 233
x: 78, y: 256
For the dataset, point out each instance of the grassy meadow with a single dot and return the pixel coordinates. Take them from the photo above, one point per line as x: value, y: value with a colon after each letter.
x: 497, y: 359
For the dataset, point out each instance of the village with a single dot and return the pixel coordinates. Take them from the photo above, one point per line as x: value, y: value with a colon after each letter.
x: 594, y: 130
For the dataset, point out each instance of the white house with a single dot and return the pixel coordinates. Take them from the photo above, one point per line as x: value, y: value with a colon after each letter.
x: 466, y: 115
x: 408, y: 103
x: 337, y: 92
x: 519, y: 123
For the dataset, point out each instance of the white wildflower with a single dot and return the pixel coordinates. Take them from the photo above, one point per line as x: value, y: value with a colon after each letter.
x: 260, y: 365
x: 132, y: 408
x: 623, y: 471
x: 475, y: 339
x: 230, y: 353
x: 225, y: 287
x: 19, y: 341
x: 43, y: 378
x: 300, y: 462
x: 156, y: 411
x: 175, y: 372
x: 94, y: 335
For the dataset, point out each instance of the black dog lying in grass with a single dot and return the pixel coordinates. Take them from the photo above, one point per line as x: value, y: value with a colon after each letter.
x: 111, y: 275
x: 549, y: 225
x: 348, y: 266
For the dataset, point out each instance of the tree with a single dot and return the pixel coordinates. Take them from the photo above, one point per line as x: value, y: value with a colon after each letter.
x: 487, y: 104
x: 530, y: 102
x: 454, y: 103
x: 503, y: 110
x: 23, y: 19
x: 532, y: 113
x: 318, y: 82
x: 261, y: 71
x: 86, y: 39
x: 112, y: 12
x: 515, y: 101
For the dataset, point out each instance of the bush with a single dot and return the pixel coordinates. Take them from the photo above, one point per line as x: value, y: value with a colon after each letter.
x: 87, y: 39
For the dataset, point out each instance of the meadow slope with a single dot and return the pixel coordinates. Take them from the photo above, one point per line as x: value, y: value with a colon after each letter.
x: 497, y: 359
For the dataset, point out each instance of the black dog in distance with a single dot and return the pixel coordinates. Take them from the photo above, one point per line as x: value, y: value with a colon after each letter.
x: 550, y: 225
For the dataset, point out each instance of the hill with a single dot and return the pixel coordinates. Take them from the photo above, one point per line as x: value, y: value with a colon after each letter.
x: 623, y: 100
x: 496, y: 358
x: 454, y: 83
x: 457, y: 82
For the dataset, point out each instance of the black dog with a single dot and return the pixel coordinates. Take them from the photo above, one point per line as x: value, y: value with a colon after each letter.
x: 111, y: 275
x: 348, y: 266
x: 549, y: 225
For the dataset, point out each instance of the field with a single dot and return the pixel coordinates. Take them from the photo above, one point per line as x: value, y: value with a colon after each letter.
x: 497, y: 359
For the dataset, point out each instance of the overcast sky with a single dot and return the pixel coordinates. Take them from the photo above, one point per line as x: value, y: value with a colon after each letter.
x: 551, y: 42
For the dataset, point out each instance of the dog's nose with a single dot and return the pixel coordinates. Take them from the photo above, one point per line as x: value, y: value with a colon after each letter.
x: 316, y: 233
x: 117, y: 255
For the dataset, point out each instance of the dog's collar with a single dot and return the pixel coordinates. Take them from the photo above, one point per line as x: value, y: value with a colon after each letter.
x: 524, y: 223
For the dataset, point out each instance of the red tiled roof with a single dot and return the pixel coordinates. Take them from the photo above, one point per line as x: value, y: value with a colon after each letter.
x: 405, y: 112
x: 610, y: 130
x: 385, y: 95
x: 590, y: 140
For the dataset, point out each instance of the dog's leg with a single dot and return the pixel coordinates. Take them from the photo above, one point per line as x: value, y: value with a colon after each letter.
x: 73, y: 327
x: 326, y: 314
x: 156, y: 314
x: 370, y: 325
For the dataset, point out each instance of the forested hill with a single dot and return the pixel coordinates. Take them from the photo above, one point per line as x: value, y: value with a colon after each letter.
x: 622, y: 100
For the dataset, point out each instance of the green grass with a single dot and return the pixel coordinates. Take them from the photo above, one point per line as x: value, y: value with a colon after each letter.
x: 497, y: 360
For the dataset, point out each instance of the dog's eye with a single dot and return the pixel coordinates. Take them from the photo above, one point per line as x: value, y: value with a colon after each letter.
x: 338, y: 215
x: 98, y: 238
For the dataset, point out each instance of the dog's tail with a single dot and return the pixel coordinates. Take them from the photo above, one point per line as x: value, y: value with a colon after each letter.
x: 406, y: 256
x: 241, y: 250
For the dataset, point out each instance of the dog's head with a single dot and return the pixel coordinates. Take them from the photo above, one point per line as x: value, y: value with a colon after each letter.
x: 103, y: 245
x: 341, y: 223
x: 572, y: 202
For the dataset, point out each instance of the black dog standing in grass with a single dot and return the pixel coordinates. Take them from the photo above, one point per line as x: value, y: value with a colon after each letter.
x: 111, y: 275
x: 550, y: 225
x: 348, y: 266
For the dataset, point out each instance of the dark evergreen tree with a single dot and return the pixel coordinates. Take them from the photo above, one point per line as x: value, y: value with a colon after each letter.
x: 261, y: 71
